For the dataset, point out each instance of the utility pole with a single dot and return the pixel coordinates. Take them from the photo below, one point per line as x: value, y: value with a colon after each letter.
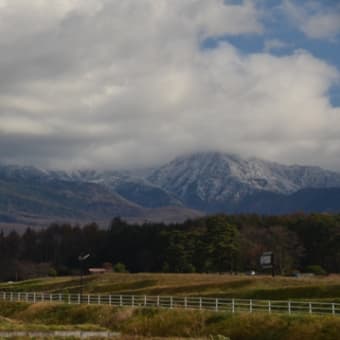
x: 81, y: 259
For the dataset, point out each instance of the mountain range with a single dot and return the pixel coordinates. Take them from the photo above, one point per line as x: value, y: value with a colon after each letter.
x: 187, y: 187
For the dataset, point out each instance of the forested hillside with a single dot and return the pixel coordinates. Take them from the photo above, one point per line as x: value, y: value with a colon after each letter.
x: 213, y: 244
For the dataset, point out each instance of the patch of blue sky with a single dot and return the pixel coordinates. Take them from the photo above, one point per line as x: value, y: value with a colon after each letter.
x: 234, y: 2
x: 334, y: 95
x: 245, y: 43
x: 282, y: 37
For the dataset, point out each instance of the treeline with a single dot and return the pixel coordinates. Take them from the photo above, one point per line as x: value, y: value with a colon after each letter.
x: 212, y: 244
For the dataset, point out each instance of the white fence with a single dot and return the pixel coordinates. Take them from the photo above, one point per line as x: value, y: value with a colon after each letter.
x: 169, y: 302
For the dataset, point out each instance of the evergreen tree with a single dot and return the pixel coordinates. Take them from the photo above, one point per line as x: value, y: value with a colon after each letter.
x: 222, y: 244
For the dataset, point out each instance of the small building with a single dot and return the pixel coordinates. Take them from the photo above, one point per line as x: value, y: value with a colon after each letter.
x: 97, y: 270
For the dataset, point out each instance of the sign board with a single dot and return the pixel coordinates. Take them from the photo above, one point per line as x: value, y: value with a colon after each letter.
x: 266, y: 260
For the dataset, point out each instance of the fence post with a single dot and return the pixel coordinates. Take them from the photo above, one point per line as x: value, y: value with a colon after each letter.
x: 171, y: 302
x: 333, y: 308
x: 51, y: 297
x: 69, y: 299
x: 250, y: 306
x: 310, y: 308
x: 144, y: 300
x: 216, y: 305
x: 200, y: 303
x: 185, y: 302
x: 269, y: 307
x: 120, y: 300
x: 233, y: 305
x: 132, y: 301
x: 157, y: 301
x: 110, y: 300
x: 99, y: 299
x: 88, y: 299
x: 289, y: 307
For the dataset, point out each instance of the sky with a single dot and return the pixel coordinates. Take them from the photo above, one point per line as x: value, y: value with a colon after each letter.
x: 111, y: 84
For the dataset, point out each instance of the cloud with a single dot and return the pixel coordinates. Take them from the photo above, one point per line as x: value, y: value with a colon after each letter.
x: 275, y: 45
x: 316, y: 20
x: 111, y: 84
x: 323, y: 26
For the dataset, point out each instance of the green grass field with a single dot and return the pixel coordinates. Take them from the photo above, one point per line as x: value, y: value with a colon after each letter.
x: 229, y: 286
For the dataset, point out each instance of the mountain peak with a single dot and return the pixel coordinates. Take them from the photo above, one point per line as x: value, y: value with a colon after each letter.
x: 204, y: 181
x: 214, y: 178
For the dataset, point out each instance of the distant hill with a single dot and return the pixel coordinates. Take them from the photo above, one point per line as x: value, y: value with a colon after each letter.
x: 305, y: 200
x: 61, y: 199
x: 30, y: 195
x: 186, y: 187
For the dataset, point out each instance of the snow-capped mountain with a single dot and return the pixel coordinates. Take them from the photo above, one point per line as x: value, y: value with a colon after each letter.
x: 23, y: 172
x: 31, y: 195
x: 212, y: 180
x: 189, y: 185
x: 136, y: 189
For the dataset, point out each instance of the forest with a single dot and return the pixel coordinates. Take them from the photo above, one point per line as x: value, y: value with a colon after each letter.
x: 219, y: 243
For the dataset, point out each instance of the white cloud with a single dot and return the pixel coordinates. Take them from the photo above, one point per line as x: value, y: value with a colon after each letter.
x: 323, y: 25
x: 113, y: 83
x: 274, y: 45
x: 314, y: 19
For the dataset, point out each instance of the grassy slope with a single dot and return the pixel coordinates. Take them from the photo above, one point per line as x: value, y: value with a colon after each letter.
x: 174, y: 323
x: 177, y: 323
x: 261, y: 287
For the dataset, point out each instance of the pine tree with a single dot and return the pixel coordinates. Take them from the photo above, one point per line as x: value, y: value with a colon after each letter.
x: 222, y: 244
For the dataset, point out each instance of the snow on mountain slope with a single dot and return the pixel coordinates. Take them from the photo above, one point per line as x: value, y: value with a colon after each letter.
x: 135, y: 189
x: 213, y: 179
x: 207, y: 181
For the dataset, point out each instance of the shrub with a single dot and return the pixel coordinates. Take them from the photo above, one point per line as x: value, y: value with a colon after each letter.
x: 119, y: 268
x: 52, y: 272
x: 165, y: 268
x: 316, y: 269
x: 189, y: 268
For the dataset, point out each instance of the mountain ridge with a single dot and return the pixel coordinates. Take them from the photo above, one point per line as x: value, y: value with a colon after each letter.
x: 188, y: 186
x: 209, y: 179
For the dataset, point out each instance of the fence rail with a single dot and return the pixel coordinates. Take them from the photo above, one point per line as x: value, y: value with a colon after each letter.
x: 183, y: 302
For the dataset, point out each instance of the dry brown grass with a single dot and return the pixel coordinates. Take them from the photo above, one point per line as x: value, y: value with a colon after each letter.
x: 223, y: 285
x: 141, y: 324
